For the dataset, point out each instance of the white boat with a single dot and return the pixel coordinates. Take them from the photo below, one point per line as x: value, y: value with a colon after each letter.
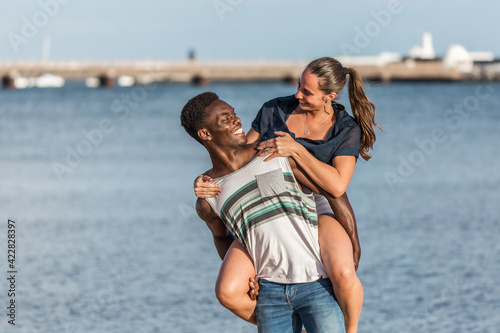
x: 126, y: 81
x: 24, y: 82
x: 49, y: 81
x: 92, y: 82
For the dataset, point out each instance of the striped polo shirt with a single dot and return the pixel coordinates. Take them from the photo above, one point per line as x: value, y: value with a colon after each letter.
x: 262, y: 205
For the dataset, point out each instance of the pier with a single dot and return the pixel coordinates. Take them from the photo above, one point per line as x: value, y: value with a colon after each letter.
x: 106, y: 72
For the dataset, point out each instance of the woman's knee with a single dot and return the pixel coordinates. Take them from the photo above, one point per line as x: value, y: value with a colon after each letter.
x: 227, y: 293
x: 223, y: 294
x: 344, y: 277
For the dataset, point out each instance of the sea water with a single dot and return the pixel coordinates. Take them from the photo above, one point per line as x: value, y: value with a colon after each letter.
x: 99, y: 185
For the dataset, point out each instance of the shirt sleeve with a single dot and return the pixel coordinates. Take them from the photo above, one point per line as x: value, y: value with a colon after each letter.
x: 350, y: 145
x: 257, y: 122
x: 266, y: 121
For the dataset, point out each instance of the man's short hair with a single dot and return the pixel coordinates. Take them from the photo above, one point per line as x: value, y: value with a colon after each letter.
x: 193, y: 114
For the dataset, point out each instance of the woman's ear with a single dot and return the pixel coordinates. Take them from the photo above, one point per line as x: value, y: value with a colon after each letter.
x: 331, y: 97
x: 204, y: 134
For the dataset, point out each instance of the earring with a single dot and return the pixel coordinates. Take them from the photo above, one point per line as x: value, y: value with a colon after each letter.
x: 209, y: 139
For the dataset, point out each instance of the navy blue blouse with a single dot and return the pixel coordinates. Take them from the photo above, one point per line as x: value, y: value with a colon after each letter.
x: 342, y: 139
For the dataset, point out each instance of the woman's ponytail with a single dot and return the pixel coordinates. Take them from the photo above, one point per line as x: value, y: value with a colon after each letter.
x: 363, y: 111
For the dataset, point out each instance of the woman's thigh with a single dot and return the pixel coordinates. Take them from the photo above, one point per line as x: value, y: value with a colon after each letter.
x: 334, y: 242
x: 235, y: 271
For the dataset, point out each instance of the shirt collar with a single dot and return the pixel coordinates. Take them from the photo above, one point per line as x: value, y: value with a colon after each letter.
x: 288, y: 103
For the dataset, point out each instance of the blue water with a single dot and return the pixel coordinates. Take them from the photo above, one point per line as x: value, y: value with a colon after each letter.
x: 108, y: 240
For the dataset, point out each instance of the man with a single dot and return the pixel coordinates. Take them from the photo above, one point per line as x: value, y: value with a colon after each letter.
x: 262, y: 205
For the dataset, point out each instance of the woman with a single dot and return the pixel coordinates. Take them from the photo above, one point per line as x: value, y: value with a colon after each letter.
x: 325, y: 142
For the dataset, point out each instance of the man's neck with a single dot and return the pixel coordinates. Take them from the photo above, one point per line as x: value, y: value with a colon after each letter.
x: 225, y: 162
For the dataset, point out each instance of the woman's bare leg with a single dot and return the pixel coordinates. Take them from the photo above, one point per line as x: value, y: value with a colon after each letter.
x: 336, y: 253
x: 232, y: 284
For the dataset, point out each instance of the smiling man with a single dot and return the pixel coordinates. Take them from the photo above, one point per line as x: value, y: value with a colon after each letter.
x: 272, y: 218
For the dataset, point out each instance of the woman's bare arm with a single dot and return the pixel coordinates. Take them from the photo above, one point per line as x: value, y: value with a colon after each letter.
x: 253, y: 136
x: 332, y: 178
x: 341, y: 207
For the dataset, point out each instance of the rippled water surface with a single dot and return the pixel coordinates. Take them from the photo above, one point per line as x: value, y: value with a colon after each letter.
x: 99, y: 183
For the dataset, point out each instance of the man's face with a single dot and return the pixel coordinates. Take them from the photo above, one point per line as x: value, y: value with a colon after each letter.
x: 224, y: 126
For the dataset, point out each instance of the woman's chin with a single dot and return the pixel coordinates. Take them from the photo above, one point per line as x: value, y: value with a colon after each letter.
x: 304, y: 106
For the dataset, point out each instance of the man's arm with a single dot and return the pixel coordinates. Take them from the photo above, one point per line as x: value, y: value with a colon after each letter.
x: 340, y: 206
x: 222, y: 238
x: 345, y: 215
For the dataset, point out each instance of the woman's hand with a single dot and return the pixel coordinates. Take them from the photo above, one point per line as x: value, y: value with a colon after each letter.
x: 283, y: 145
x: 204, y: 189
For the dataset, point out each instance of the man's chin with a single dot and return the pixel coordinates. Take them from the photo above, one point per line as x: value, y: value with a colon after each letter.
x: 243, y: 138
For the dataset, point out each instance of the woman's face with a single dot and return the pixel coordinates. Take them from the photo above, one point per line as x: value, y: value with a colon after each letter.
x: 310, y: 97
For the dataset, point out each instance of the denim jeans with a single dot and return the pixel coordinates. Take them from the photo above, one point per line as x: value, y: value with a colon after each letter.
x: 284, y: 308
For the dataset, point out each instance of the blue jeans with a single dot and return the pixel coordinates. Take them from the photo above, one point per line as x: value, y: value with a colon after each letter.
x: 283, y: 308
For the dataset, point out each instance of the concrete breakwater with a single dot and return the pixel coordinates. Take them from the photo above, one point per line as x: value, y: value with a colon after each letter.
x: 205, y: 71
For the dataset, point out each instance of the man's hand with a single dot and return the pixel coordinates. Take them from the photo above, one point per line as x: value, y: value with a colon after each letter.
x: 254, y: 289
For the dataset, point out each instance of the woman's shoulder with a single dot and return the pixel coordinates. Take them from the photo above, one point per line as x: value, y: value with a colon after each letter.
x: 344, y: 119
x: 272, y: 116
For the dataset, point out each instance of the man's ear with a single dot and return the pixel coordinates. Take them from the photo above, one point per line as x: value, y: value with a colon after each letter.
x: 204, y: 134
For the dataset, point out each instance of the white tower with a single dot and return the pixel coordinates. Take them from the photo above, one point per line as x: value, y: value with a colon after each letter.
x: 427, y: 48
x: 426, y: 51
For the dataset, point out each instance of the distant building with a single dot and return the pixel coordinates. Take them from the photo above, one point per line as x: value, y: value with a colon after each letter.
x: 424, y: 52
x: 482, y: 56
x: 459, y: 58
x: 381, y: 59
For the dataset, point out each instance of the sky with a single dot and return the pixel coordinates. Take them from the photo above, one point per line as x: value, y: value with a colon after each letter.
x: 241, y: 29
